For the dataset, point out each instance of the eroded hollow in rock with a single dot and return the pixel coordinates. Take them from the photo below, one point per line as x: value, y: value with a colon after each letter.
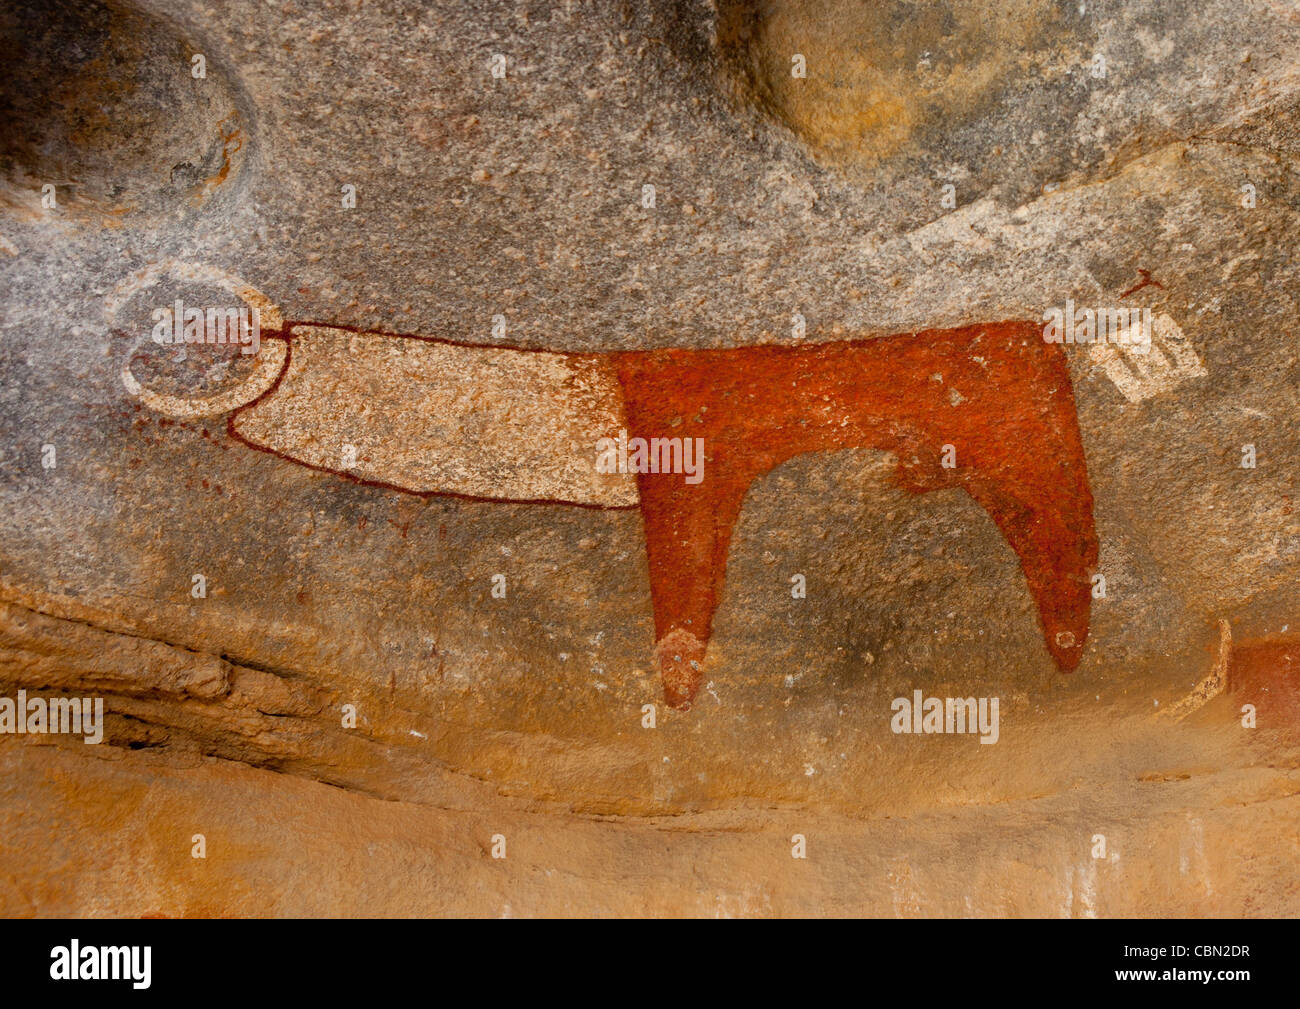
x: 867, y: 84
x: 116, y: 109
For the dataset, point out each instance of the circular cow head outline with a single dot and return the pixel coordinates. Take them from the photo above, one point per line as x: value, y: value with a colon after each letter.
x: 271, y: 356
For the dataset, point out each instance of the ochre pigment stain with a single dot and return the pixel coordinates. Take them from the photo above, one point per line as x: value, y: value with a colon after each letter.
x: 1266, y: 673
x: 988, y: 409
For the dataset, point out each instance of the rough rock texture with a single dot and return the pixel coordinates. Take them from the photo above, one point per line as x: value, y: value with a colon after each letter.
x: 511, y: 211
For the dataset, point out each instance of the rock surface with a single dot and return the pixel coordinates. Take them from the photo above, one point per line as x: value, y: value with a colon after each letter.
x: 499, y: 657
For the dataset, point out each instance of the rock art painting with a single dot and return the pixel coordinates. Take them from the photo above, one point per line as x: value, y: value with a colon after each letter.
x: 663, y: 458
x: 987, y: 409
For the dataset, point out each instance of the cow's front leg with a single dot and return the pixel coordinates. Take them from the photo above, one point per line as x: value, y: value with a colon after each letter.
x: 687, y: 531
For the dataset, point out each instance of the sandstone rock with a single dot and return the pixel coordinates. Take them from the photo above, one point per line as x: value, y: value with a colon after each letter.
x: 351, y: 678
